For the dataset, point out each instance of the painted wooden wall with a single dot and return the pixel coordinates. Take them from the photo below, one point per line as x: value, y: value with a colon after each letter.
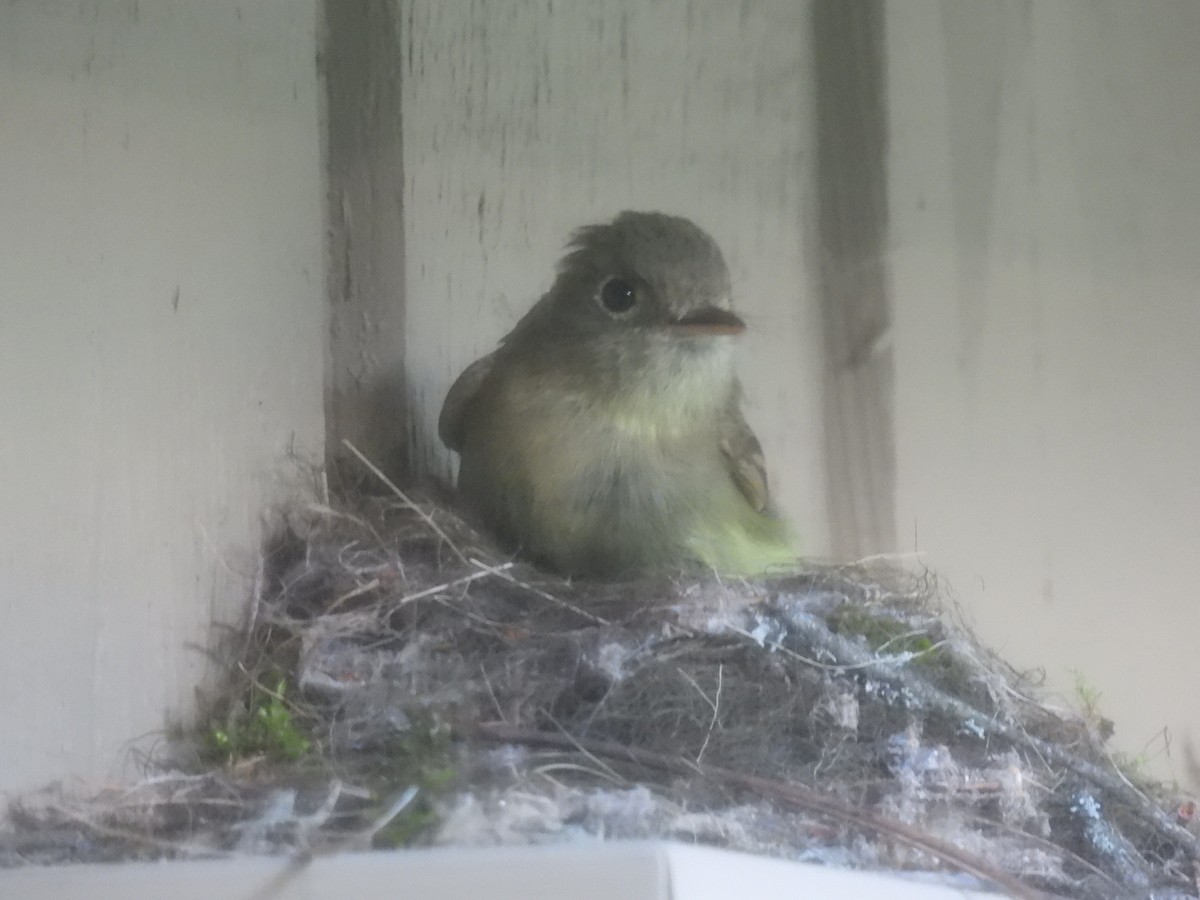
x: 164, y: 338
x: 162, y: 319
x: 1044, y: 193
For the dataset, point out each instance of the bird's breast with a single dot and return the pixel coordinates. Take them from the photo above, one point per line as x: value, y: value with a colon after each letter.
x: 586, y: 482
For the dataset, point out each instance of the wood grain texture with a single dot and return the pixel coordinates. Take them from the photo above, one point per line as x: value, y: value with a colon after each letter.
x: 161, y: 329
x: 365, y: 402
x: 852, y: 203
x: 1045, y: 211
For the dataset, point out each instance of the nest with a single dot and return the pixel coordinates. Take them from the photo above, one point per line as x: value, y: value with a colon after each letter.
x: 399, y: 683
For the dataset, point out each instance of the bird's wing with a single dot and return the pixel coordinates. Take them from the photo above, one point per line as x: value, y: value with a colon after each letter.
x: 744, y: 457
x: 461, y: 393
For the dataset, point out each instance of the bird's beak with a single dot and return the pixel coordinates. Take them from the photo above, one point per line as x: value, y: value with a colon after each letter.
x: 708, y: 321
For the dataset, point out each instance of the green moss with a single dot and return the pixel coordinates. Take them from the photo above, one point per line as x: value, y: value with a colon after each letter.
x: 1088, y: 695
x: 894, y: 636
x: 260, y: 724
x: 420, y: 756
x: 881, y: 634
x: 408, y: 827
x: 264, y: 724
x: 1089, y: 699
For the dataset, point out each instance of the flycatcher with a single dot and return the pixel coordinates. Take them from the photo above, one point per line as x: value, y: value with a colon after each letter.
x: 605, y: 436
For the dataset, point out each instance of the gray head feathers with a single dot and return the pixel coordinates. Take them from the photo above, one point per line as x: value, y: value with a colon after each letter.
x: 673, y: 260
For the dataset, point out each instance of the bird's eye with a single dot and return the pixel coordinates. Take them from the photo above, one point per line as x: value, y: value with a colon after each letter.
x: 617, y: 296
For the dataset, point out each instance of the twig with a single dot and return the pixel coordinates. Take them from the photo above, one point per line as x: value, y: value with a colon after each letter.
x: 502, y: 572
x: 1050, y: 847
x: 792, y: 794
x: 819, y: 634
x: 895, y: 659
x: 487, y: 682
x: 714, y: 704
x: 275, y: 885
x: 444, y: 586
x: 126, y: 834
x: 466, y: 613
x: 605, y: 773
x: 397, y: 806
x: 428, y: 519
x: 260, y: 580
x: 350, y: 595
x: 569, y: 740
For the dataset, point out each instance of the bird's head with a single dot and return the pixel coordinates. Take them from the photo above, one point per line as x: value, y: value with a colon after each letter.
x: 648, y: 273
x: 639, y: 314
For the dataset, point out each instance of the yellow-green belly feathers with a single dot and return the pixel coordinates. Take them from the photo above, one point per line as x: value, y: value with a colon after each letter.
x: 610, y: 489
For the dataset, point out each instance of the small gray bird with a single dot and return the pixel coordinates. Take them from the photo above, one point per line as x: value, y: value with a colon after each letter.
x: 604, y: 437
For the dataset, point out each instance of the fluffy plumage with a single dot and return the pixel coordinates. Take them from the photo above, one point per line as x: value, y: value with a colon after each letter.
x: 605, y: 435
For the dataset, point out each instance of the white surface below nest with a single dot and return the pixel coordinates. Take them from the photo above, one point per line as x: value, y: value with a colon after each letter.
x: 601, y: 871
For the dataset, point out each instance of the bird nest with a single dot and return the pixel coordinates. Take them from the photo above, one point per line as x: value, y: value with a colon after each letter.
x: 401, y: 684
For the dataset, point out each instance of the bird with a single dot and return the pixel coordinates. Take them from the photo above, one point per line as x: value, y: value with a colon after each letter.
x: 604, y: 437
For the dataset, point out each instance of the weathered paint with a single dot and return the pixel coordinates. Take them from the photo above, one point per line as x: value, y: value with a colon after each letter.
x: 1045, y: 204
x: 162, y: 325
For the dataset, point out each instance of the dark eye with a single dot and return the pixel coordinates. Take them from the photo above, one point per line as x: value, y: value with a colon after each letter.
x: 618, y: 296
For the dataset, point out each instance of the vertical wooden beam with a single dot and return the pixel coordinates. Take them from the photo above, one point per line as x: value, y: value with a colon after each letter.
x: 852, y: 224
x: 365, y: 384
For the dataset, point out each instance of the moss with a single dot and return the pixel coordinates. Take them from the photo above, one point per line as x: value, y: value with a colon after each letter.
x: 1089, y: 696
x: 421, y: 756
x: 260, y: 723
x: 892, y: 636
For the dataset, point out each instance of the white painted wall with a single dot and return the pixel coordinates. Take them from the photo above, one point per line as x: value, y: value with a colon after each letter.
x: 161, y: 348
x: 522, y: 124
x: 1045, y: 257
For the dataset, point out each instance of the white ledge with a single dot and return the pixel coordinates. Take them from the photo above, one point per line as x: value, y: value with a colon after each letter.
x: 599, y: 871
